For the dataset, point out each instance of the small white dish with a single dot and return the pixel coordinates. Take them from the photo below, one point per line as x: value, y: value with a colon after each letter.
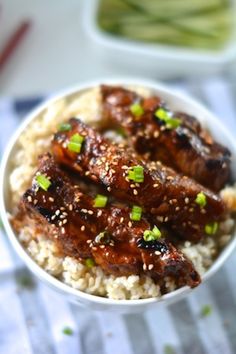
x: 176, y: 101
x: 156, y: 60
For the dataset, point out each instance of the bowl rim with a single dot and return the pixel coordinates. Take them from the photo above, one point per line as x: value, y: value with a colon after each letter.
x: 43, y: 274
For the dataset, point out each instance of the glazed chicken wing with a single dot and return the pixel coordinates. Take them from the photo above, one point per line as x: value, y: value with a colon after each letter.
x: 106, y: 234
x: 168, y: 197
x: 175, y: 138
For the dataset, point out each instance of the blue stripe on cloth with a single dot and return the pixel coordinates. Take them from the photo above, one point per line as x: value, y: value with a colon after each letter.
x: 23, y: 106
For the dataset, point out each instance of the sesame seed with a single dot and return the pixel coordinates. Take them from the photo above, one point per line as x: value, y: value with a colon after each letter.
x: 135, y: 191
x: 150, y: 267
x: 121, y: 219
x: 177, y: 208
x: 53, y: 217
x: 94, y: 248
x: 63, y: 230
x: 156, y: 134
x: 90, y: 212
x: 109, y: 189
x: 87, y: 173
x: 99, y: 213
x: 157, y: 253
x: 57, y: 212
x: 144, y: 266
x: 84, y: 211
x: 29, y: 198
x: 60, y: 223
x: 89, y: 241
x: 64, y: 221
x: 186, y: 200
x: 102, y: 246
x: 130, y: 224
x: 155, y: 185
x: 51, y: 199
x: 82, y: 228
x: 35, y: 201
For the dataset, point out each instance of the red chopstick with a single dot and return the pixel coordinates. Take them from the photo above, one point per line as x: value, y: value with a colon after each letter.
x: 13, y: 42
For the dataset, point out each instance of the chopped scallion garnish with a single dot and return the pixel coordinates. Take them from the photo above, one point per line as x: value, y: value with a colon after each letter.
x: 165, y: 116
x: 43, y: 182
x: 100, y: 201
x: 65, y: 127
x: 75, y: 143
x: 201, y: 199
x: 206, y: 310
x: 136, y: 109
x: 152, y: 235
x: 211, y: 228
x: 25, y: 281
x: 136, y: 213
x: 162, y: 114
x: 68, y: 331
x: 136, y: 174
x: 89, y: 262
x: 168, y: 349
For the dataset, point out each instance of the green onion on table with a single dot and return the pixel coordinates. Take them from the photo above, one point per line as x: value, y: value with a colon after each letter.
x: 194, y: 23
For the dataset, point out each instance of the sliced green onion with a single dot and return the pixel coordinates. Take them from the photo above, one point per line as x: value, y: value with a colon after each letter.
x: 173, y: 123
x: 164, y: 115
x: 64, y: 127
x: 168, y: 349
x: 136, y: 174
x: 75, y: 143
x: 201, y: 199
x: 156, y: 232
x: 137, y: 109
x: 211, y: 228
x: 89, y: 262
x: 152, y: 235
x: 136, y: 213
x: 25, y: 281
x: 43, y: 182
x: 68, y: 331
x: 206, y: 310
x: 100, y: 201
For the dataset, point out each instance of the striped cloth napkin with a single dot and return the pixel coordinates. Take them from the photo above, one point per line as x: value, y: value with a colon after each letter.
x: 35, y: 319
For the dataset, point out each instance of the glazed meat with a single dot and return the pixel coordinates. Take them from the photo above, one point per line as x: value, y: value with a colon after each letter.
x: 175, y: 138
x: 166, y: 196
x: 106, y: 234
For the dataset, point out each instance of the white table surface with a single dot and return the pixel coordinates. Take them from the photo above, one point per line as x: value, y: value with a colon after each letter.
x: 56, y: 52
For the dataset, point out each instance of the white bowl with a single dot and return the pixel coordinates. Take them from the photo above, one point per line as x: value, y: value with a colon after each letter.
x: 157, y: 60
x: 177, y: 102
